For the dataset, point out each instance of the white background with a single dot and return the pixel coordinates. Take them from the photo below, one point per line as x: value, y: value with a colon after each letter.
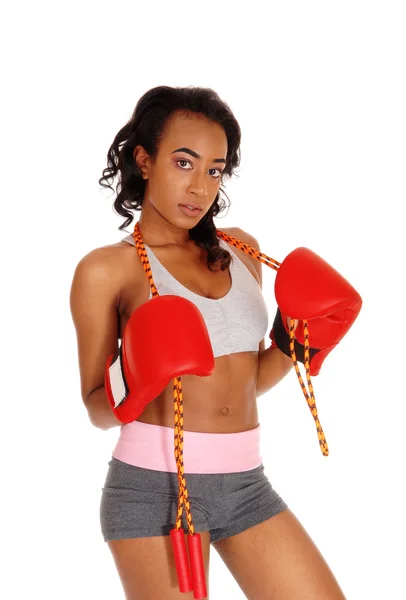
x: 319, y: 91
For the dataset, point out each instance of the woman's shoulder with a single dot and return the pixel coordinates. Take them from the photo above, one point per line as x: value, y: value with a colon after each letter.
x: 242, y: 235
x: 107, y: 257
x: 250, y: 240
x: 110, y: 264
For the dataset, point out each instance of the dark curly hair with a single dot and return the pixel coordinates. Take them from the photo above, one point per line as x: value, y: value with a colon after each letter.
x: 146, y: 127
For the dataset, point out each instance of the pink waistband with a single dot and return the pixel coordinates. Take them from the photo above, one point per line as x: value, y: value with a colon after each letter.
x: 152, y: 447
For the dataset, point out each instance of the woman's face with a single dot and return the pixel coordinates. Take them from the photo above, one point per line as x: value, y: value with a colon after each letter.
x: 187, y: 169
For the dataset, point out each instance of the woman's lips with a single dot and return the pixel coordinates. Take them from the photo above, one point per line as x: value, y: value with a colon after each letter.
x: 190, y: 212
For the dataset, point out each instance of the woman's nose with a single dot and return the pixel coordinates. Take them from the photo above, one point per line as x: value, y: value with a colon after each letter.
x: 198, y: 184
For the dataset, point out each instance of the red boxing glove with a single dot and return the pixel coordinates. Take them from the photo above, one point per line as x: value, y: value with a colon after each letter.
x: 164, y: 338
x: 308, y: 288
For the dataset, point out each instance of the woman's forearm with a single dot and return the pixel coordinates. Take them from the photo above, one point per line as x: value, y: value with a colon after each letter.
x: 99, y: 410
x: 273, y: 365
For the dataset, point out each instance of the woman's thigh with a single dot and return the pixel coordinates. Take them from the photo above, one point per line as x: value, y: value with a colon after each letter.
x: 147, y: 569
x: 137, y: 511
x: 277, y: 560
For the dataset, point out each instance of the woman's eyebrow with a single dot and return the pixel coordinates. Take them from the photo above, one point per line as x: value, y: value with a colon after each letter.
x: 196, y: 155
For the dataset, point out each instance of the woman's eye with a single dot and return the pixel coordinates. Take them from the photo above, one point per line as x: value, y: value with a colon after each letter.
x: 182, y: 160
x: 219, y: 173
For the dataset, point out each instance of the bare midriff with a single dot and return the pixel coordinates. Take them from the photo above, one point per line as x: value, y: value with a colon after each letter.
x: 224, y: 402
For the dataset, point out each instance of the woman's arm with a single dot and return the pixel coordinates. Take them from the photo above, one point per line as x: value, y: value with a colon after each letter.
x: 273, y: 365
x: 93, y: 303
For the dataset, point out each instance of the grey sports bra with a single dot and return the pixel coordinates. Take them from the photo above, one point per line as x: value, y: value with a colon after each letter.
x: 238, y: 321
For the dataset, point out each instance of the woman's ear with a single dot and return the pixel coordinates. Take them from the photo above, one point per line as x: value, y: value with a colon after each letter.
x: 141, y: 158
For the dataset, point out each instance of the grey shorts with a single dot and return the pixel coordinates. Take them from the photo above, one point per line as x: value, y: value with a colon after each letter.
x: 138, y: 502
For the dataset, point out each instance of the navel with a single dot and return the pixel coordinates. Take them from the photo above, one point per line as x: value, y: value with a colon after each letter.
x: 226, y: 410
